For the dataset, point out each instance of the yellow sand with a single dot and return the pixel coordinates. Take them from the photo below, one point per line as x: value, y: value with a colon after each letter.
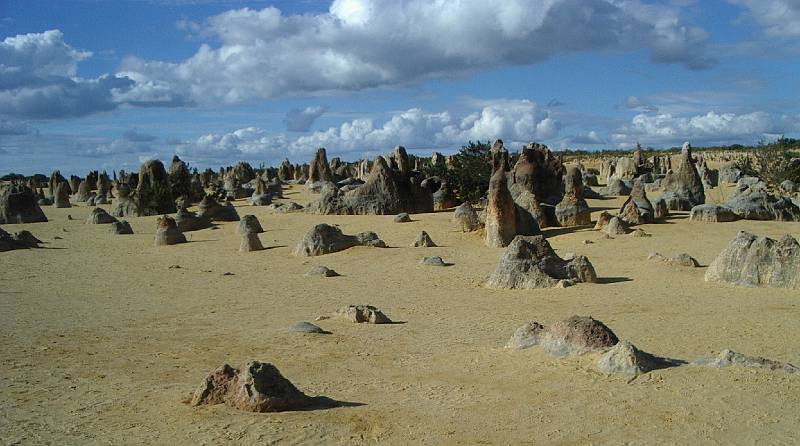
x: 100, y: 340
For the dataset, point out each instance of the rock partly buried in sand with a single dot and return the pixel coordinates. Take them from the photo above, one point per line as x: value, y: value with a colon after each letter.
x: 363, y: 314
x: 682, y: 259
x: 728, y: 358
x: 20, y: 240
x: 616, y: 226
x: 712, y: 213
x: 530, y: 262
x: 526, y: 336
x: 432, y: 261
x: 189, y: 221
x: 18, y: 204
x: 625, y: 359
x: 212, y: 210
x: 257, y: 387
x: 577, y: 335
x: 423, y: 240
x: 167, y: 232
x: 466, y: 217
x: 99, y: 216
x: 120, y: 228
x: 615, y: 187
x: 249, y: 224
x: 325, y: 239
x: 306, y: 327
x: 402, y: 217
x: 753, y: 261
x: 321, y: 271
x: 639, y: 232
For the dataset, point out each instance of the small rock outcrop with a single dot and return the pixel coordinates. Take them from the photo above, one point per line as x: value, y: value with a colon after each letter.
x: 466, y: 218
x: 99, y: 216
x: 167, y: 232
x: 190, y: 221
x: 423, y: 240
x: 526, y: 336
x: 325, y: 239
x: 61, y: 195
x: 753, y: 261
x: 530, y: 262
x: 321, y: 271
x: 625, y: 359
x: 712, y: 213
x: 19, y: 240
x: 577, y: 335
x: 729, y: 358
x: 249, y: 224
x: 255, y: 387
x: 683, y: 259
x: 616, y: 226
x: 363, y: 314
x: 402, y: 217
x: 120, y: 228
x: 433, y: 261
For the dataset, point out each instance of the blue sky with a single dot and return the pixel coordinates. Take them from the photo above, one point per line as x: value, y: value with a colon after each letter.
x: 100, y: 84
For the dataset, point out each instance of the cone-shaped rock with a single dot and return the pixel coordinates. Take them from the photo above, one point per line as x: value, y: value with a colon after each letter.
x: 18, y: 204
x: 325, y: 239
x: 500, y: 226
x: 423, y: 240
x: 573, y: 210
x: 167, y: 232
x: 683, y: 188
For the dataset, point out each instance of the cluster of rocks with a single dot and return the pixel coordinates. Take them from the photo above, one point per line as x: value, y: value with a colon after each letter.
x: 326, y: 239
x: 18, y: 240
x: 530, y: 262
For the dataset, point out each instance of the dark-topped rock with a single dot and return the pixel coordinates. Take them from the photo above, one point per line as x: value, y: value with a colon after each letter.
x: 325, y: 239
x: 423, y: 240
x: 363, y: 314
x: 577, y: 335
x: 729, y: 173
x: 18, y: 204
x: 256, y: 387
x: 153, y: 193
x: 167, y: 232
x: 530, y: 217
x: 753, y: 261
x: 120, y: 228
x: 530, y: 262
x: 683, y: 188
x: 712, y: 213
x: 83, y: 193
x: 261, y: 196
x: 180, y: 180
x: 306, y: 327
x: 99, y: 216
x: 660, y: 209
x: 573, y: 210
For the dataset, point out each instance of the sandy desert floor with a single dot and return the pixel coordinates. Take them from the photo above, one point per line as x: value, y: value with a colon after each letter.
x: 101, y: 340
